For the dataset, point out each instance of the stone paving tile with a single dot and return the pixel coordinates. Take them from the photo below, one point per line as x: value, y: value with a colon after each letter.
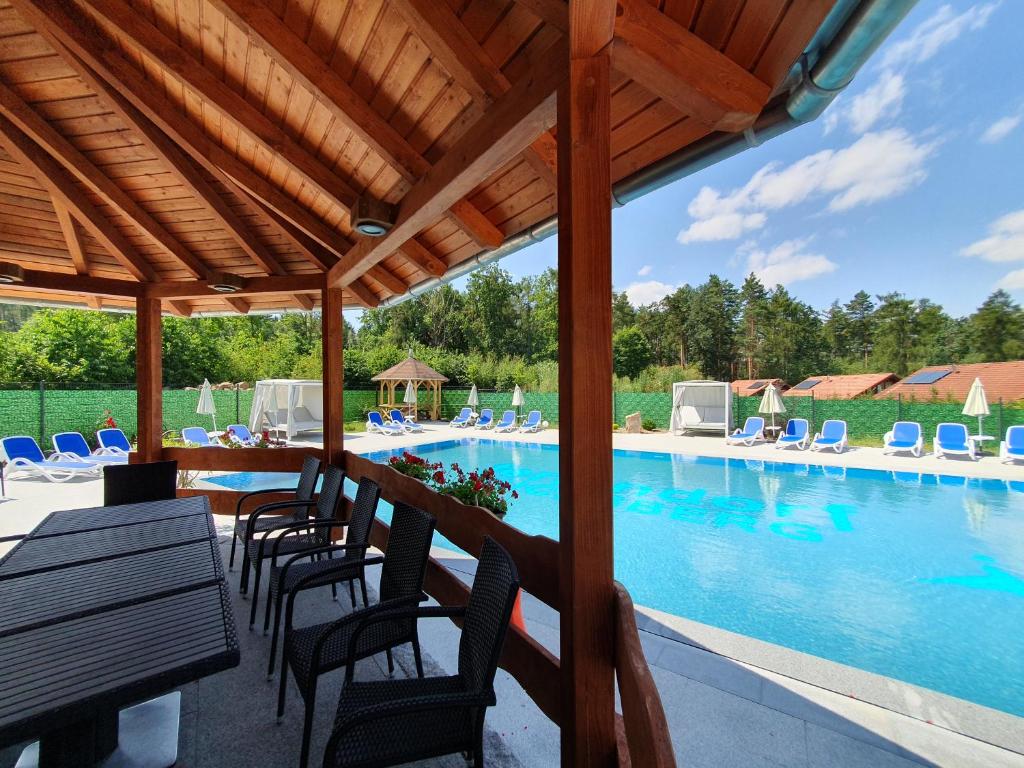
x: 828, y: 749
x: 946, y: 748
x: 710, y: 669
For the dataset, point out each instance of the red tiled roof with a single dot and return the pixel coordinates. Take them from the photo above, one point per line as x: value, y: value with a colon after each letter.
x: 743, y: 388
x: 1001, y: 380
x: 845, y: 387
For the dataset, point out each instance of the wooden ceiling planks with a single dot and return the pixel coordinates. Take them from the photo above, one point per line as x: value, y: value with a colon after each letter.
x: 253, y: 164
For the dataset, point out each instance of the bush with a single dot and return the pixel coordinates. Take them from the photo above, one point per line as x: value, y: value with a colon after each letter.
x: 649, y: 425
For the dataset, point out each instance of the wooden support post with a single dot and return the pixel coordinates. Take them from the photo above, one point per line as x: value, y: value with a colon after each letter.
x: 585, y: 396
x: 334, y: 376
x: 149, y: 378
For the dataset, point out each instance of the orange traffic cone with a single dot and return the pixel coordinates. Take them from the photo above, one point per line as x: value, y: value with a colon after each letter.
x: 517, y: 613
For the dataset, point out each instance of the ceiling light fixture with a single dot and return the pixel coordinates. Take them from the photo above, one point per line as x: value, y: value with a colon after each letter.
x: 225, y: 282
x: 372, y: 217
x: 11, y: 273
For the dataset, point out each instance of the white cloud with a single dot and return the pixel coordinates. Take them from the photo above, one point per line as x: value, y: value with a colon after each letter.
x: 1012, y: 281
x: 641, y: 294
x: 929, y: 37
x: 1005, y: 241
x: 877, y: 166
x: 645, y: 270
x: 882, y: 101
x: 1000, y: 129
x: 787, y: 263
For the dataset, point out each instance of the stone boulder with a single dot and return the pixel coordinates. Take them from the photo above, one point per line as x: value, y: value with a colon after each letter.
x: 634, y: 423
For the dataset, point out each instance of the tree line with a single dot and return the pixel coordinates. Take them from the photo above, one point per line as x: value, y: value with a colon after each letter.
x: 499, y: 332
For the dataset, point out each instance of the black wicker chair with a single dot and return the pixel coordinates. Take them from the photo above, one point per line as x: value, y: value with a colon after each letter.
x: 386, y: 722
x: 316, y: 650
x: 304, y: 536
x: 303, y: 492
x: 292, y: 576
x: 138, y: 483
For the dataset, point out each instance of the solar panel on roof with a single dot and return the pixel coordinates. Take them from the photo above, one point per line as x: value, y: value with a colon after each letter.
x: 757, y: 385
x: 927, y: 377
x: 808, y: 384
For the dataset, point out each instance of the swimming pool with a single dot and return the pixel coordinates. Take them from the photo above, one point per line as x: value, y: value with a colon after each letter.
x: 913, y: 576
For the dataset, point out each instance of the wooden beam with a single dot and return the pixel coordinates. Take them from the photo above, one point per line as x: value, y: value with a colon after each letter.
x: 416, y: 253
x: 239, y: 305
x: 179, y: 308
x: 179, y: 164
x: 305, y: 301
x: 63, y: 282
x: 46, y: 136
x: 149, y: 378
x: 587, y: 628
x: 553, y: 12
x: 363, y: 294
x: 218, y: 94
x: 254, y: 286
x: 334, y: 375
x: 62, y: 187
x: 512, y: 122
x: 476, y: 224
x: 94, y: 302
x: 309, y: 248
x: 390, y: 281
x: 67, y: 228
x: 64, y: 25
x: 676, y: 65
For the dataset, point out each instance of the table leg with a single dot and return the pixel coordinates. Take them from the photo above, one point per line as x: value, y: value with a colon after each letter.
x: 86, y: 742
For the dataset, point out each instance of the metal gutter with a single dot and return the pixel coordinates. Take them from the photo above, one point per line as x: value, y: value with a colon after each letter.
x: 851, y: 32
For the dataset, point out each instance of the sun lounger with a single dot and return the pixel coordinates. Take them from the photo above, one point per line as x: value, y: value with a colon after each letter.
x: 486, y: 420
x: 952, y: 440
x: 241, y: 434
x: 752, y: 432
x: 1012, y: 448
x: 196, y: 437
x: 71, y: 446
x: 797, y: 434
x: 832, y: 435
x: 532, y: 423
x: 904, y: 436
x: 375, y: 423
x: 462, y: 420
x: 403, y: 422
x: 23, y: 456
x: 113, y: 441
x: 507, y: 422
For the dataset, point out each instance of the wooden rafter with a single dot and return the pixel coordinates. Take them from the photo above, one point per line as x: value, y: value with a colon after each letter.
x: 678, y: 66
x: 304, y: 301
x: 417, y: 254
x: 62, y: 282
x: 239, y: 305
x: 553, y: 12
x: 346, y: 106
x: 510, y: 125
x: 74, y: 243
x: 46, y: 136
x: 363, y: 294
x: 287, y: 284
x: 179, y: 164
x: 61, y: 186
x: 179, y: 308
x: 391, y: 282
x: 471, y: 66
x: 229, y: 103
x: 64, y: 25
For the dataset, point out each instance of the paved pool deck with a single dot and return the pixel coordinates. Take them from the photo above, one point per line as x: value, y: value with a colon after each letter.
x: 730, y: 700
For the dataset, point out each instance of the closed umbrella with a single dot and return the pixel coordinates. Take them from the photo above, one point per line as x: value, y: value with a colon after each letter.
x: 517, y: 399
x: 206, y: 405
x: 410, y: 396
x: 976, y: 404
x: 474, y: 398
x: 771, y: 403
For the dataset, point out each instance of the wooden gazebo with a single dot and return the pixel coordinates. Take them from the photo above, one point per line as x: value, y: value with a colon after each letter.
x: 417, y: 373
x: 265, y: 155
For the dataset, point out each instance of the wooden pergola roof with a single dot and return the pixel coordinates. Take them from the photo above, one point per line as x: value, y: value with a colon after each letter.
x: 410, y: 369
x: 146, y: 146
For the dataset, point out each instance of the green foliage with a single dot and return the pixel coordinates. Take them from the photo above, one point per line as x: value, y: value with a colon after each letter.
x: 649, y: 425
x: 631, y: 353
x: 996, y: 330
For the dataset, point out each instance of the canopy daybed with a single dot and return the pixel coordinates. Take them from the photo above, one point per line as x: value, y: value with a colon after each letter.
x: 701, y: 406
x: 290, y: 406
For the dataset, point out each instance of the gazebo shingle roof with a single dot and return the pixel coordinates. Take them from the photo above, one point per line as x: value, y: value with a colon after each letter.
x: 410, y: 369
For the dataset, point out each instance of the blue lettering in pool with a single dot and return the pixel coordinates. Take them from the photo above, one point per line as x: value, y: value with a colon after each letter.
x: 797, y: 531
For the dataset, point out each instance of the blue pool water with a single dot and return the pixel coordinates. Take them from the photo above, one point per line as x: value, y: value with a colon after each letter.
x: 916, y: 577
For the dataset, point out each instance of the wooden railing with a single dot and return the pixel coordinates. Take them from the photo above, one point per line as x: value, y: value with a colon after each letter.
x: 643, y: 731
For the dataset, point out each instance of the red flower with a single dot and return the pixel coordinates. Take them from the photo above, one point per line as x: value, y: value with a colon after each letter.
x: 439, y: 477
x: 393, y: 460
x: 477, y: 486
x: 515, y: 495
x: 111, y: 423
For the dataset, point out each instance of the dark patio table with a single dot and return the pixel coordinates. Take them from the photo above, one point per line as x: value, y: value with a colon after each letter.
x: 101, y: 609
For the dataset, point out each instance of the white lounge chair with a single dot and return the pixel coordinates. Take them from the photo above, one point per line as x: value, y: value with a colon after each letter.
x: 832, y: 435
x: 403, y: 422
x: 113, y: 441
x: 23, y: 456
x: 241, y: 434
x: 752, y: 432
x: 797, y: 434
x: 463, y: 419
x: 904, y: 436
x: 507, y: 423
x: 375, y: 423
x: 1012, y: 448
x: 71, y: 446
x: 486, y: 420
x: 952, y: 439
x: 532, y: 423
x: 197, y: 437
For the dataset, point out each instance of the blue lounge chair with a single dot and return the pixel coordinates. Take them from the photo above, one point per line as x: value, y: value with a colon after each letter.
x: 752, y: 432
x: 507, y: 422
x: 242, y: 434
x: 797, y: 433
x: 532, y: 423
x: 462, y: 420
x: 403, y: 422
x: 952, y: 440
x: 1012, y: 448
x: 23, y: 456
x: 114, y: 441
x: 196, y: 437
x: 375, y: 423
x: 832, y: 435
x: 71, y: 446
x: 904, y: 436
x: 486, y: 420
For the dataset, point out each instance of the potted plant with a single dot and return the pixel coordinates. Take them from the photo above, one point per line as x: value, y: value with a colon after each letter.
x: 415, y: 467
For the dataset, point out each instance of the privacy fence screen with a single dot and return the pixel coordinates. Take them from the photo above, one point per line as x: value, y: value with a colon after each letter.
x: 41, y: 409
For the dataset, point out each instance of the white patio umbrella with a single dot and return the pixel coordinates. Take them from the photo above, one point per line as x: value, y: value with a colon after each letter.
x: 206, y: 405
x: 474, y: 398
x: 410, y: 394
x: 976, y: 404
x: 517, y: 399
x: 771, y: 403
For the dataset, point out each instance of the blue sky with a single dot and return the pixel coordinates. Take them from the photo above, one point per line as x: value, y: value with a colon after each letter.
x: 912, y: 181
